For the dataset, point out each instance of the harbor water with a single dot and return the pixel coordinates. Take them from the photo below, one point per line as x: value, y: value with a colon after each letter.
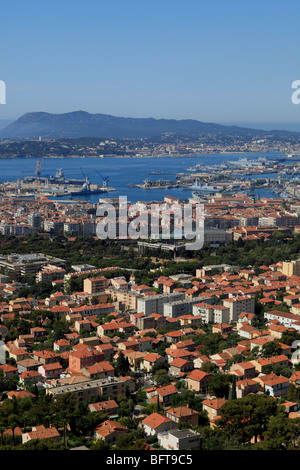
x: 122, y: 171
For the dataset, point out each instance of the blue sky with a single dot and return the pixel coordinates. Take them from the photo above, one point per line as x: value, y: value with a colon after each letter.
x: 216, y: 61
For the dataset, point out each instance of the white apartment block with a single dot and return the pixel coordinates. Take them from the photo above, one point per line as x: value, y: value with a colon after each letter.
x: 155, y: 303
x: 211, y: 313
x: 221, y: 314
x: 286, y: 319
x: 183, y: 307
x: 237, y: 305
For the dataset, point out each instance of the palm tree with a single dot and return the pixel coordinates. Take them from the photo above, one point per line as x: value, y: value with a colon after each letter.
x: 25, y: 420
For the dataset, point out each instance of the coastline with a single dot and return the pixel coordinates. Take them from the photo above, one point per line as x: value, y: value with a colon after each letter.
x: 146, y: 156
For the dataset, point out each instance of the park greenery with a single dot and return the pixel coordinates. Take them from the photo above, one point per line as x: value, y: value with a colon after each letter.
x: 106, y: 253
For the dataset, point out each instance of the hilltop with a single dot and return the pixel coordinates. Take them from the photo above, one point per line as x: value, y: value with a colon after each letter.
x: 83, y: 124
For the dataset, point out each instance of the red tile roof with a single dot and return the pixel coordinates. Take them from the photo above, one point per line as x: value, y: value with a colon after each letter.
x: 154, y: 420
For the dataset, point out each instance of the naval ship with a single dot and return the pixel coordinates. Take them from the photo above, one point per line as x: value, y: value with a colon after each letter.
x: 57, y: 185
x: 58, y: 178
x: 203, y: 188
x: 293, y: 156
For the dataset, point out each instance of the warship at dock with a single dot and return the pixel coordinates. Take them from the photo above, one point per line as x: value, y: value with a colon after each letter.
x: 199, y: 188
x: 57, y: 185
x: 293, y: 156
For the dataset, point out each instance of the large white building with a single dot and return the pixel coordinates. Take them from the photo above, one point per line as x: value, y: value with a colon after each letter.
x: 286, y: 319
x: 155, y: 303
x: 237, y: 305
x: 211, y: 313
x: 183, y: 307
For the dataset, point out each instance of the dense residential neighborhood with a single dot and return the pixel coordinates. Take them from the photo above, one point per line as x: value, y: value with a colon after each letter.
x: 115, y: 358
x: 149, y: 232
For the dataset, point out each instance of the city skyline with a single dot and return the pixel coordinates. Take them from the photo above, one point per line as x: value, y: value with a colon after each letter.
x: 229, y: 64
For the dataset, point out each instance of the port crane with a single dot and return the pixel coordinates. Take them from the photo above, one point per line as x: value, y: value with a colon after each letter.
x: 38, y: 169
x: 105, y: 179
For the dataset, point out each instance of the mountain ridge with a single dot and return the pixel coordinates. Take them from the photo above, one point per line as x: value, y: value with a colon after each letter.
x: 83, y: 124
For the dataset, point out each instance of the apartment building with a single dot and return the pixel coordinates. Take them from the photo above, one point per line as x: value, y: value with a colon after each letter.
x: 94, y: 285
x: 286, y: 319
x: 211, y: 313
x: 17, y: 230
x: 216, y: 236
x: 124, y: 300
x: 155, y: 303
x: 50, y: 273
x: 88, y: 310
x: 80, y: 228
x: 86, y: 390
x: 182, y: 307
x: 145, y: 323
x: 291, y: 268
x: 237, y: 305
x: 119, y: 283
x: 220, y: 314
